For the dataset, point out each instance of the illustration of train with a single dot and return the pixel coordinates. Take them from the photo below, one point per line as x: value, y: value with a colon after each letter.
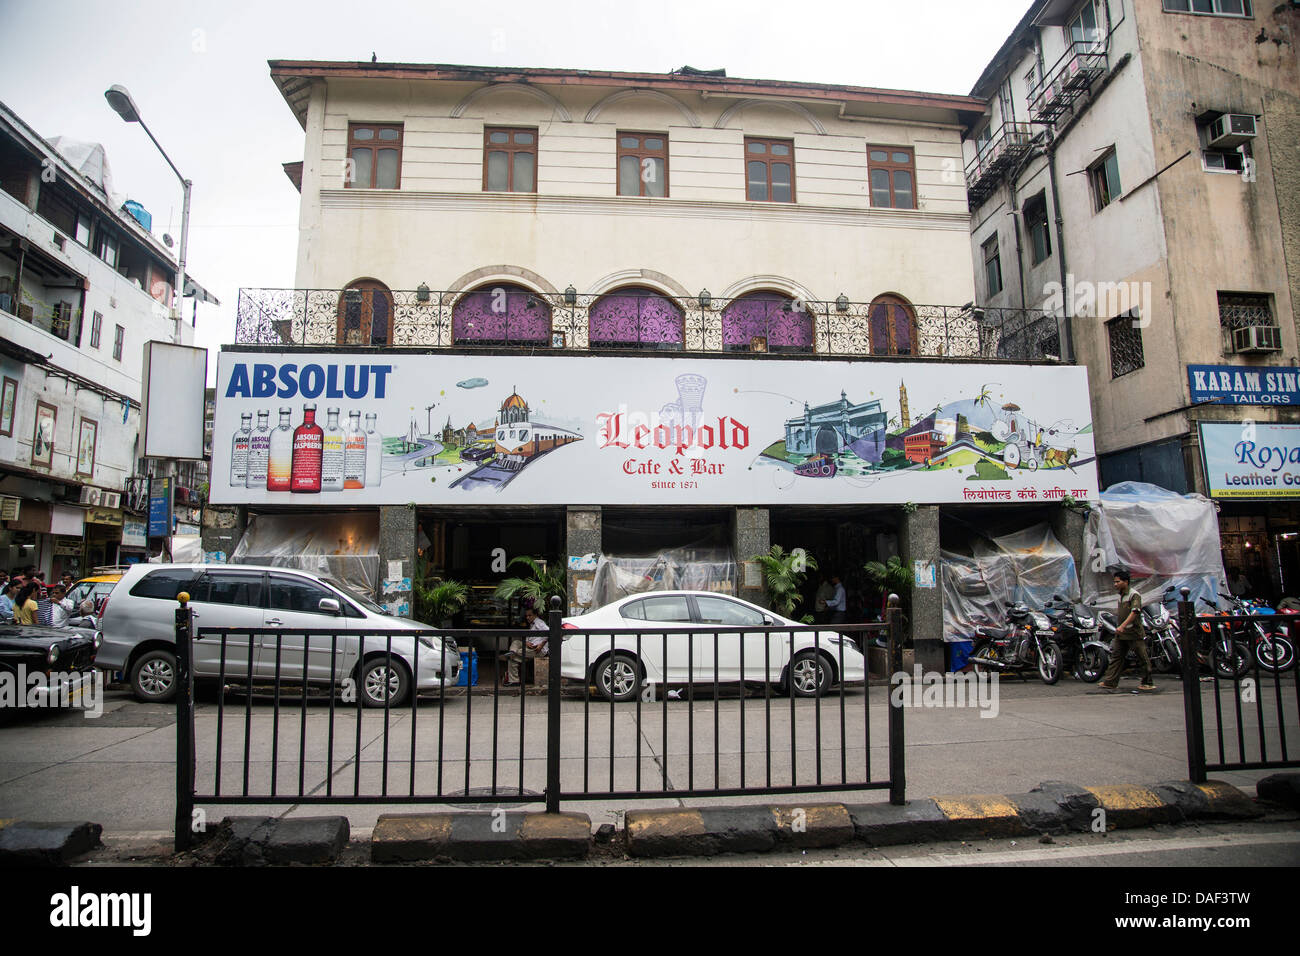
x: 519, y: 437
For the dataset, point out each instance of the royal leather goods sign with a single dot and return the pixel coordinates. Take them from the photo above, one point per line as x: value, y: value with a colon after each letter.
x: 1251, y: 460
x: 352, y: 428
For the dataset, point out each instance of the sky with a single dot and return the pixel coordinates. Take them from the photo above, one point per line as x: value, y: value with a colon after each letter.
x: 198, y: 74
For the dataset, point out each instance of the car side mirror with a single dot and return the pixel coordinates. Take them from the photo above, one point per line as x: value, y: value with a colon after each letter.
x: 330, y: 606
x: 768, y: 622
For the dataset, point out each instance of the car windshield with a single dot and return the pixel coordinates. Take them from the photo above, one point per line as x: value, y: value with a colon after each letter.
x: 365, y: 602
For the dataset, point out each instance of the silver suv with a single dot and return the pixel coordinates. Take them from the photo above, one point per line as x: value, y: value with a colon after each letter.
x: 139, y: 626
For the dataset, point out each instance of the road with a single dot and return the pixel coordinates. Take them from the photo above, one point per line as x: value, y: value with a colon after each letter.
x: 118, y: 769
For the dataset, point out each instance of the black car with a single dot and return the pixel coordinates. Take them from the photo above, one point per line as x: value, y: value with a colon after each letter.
x: 63, y: 657
x: 477, y: 453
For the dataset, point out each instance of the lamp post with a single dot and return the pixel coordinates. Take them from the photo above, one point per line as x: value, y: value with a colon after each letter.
x: 125, y: 107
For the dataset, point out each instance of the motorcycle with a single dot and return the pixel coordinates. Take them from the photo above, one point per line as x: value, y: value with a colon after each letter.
x: 1269, y: 640
x: 1027, y: 643
x: 1076, y: 635
x: 1222, y: 646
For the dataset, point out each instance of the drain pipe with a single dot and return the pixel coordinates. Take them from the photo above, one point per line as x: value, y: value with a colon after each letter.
x: 1067, y: 295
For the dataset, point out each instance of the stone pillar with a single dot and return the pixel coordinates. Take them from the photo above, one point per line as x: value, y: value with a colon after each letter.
x: 397, y: 529
x: 919, y: 541
x: 223, y: 528
x: 1068, y: 525
x: 753, y: 535
x: 582, y: 535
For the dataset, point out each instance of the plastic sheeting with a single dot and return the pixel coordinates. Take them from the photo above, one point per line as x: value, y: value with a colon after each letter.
x: 1161, y: 537
x: 681, y: 569
x: 91, y: 161
x: 344, y: 547
x: 1029, y: 566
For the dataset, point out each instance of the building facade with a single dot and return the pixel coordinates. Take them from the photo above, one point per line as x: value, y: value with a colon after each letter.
x: 1135, y: 174
x: 83, y: 286
x: 567, y: 284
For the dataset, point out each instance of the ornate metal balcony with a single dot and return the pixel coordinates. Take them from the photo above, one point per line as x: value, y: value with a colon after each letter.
x: 640, y: 322
x: 997, y: 157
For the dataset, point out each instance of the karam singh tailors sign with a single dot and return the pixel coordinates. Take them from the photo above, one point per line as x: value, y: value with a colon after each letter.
x: 353, y: 428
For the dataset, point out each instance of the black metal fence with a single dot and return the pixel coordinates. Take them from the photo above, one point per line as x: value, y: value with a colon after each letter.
x: 626, y: 714
x: 1256, y: 708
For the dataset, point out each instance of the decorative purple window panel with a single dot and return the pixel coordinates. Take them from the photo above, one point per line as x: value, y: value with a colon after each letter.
x: 633, y: 318
x: 501, y: 314
x: 766, y: 321
x: 891, y: 329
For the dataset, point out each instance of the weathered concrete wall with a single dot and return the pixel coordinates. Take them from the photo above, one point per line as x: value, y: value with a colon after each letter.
x: 397, y: 528
x: 583, y: 531
x: 919, y: 541
x: 223, y: 527
x: 753, y: 535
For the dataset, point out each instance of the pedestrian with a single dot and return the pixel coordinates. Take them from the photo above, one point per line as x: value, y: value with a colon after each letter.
x: 66, y: 580
x: 837, y: 604
x: 25, y: 606
x: 7, y: 595
x: 825, y: 591
x: 1128, y: 635
x: 1239, y: 584
x: 533, y: 643
x: 60, y: 606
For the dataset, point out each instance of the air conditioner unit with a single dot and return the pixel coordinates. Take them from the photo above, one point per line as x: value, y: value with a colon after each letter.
x: 112, y: 499
x: 1231, y: 129
x: 91, y: 496
x: 1257, y: 338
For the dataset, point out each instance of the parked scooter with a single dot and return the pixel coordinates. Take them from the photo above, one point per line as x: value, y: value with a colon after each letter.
x: 1269, y: 642
x: 1025, y: 644
x: 1077, y: 636
x: 1222, y: 646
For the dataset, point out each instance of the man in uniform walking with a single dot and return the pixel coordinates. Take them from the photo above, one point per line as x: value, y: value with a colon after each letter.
x: 1128, y: 635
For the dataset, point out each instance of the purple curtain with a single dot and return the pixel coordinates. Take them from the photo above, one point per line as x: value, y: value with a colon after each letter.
x: 488, y: 315
x: 635, y: 317
x: 763, y: 314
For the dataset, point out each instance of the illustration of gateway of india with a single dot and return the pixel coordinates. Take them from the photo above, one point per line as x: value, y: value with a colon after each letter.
x: 838, y: 427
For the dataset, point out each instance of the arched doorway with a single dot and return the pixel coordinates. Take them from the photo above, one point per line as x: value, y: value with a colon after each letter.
x: 893, y: 326
x: 766, y: 322
x: 828, y: 441
x: 501, y: 314
x: 635, y: 317
x: 365, y: 314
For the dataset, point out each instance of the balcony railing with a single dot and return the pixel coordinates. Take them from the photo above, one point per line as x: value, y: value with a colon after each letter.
x: 1068, y: 79
x: 63, y: 323
x: 336, y: 318
x: 995, y: 158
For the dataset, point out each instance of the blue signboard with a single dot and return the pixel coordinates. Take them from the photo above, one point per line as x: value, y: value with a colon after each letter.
x: 160, y: 507
x: 1244, y: 385
x: 1251, y: 459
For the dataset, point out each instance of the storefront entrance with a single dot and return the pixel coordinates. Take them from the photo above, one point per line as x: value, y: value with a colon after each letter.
x: 842, y: 540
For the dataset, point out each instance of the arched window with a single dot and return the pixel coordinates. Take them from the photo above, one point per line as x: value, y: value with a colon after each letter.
x: 766, y: 322
x: 501, y: 314
x: 893, y: 326
x: 635, y: 318
x: 365, y: 314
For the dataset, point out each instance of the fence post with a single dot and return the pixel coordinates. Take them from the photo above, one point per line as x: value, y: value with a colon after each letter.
x: 897, y: 761
x: 555, y: 650
x: 184, y: 725
x: 1191, y: 689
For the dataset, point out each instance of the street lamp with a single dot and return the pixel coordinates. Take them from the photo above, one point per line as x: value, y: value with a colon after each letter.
x: 120, y: 100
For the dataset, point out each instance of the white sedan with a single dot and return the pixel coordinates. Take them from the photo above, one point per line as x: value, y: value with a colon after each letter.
x: 679, y: 637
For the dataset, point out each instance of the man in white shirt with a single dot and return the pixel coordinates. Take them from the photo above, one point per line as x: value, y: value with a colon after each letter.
x: 536, y: 644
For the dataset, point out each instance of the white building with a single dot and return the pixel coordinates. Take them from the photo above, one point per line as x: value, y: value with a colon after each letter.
x: 83, y: 286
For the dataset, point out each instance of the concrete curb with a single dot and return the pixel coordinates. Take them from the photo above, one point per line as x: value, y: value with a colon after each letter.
x: 475, y: 837
x: 24, y: 843
x: 1280, y: 788
x: 262, y: 841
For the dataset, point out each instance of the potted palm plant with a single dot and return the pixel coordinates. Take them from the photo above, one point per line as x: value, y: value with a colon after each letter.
x: 437, y: 601
x: 783, y: 576
x: 543, y: 583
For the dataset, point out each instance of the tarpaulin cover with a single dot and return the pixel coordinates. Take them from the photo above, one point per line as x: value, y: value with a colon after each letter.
x: 1162, y: 537
x: 680, y: 569
x: 1029, y: 566
x: 91, y: 161
x: 344, y: 547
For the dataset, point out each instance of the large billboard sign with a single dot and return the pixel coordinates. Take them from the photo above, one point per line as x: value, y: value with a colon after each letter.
x: 350, y: 428
x: 1251, y: 459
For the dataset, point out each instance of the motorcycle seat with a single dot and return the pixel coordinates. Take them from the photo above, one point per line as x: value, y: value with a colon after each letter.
x: 997, y: 633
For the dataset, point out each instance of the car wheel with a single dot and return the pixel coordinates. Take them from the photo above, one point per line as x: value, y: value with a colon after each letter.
x: 809, y: 675
x: 153, y: 677
x: 384, y: 680
x: 618, y: 677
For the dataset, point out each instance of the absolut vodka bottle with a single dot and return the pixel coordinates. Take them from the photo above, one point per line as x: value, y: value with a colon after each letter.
x: 308, y: 442
x: 354, y: 452
x: 239, y: 450
x: 279, y: 465
x: 331, y: 463
x: 374, y: 454
x: 259, y: 450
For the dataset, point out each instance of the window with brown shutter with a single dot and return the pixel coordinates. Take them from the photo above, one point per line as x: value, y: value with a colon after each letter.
x: 891, y: 173
x: 642, y: 164
x: 769, y: 170
x: 509, y: 160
